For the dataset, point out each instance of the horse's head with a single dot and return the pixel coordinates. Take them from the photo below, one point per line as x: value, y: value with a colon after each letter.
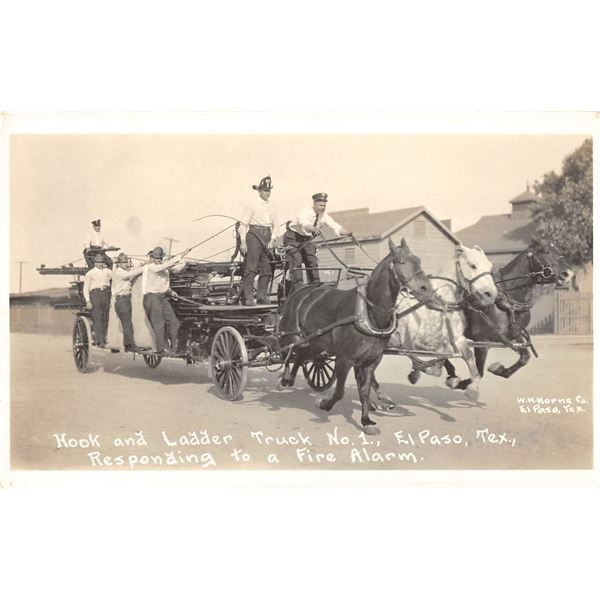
x: 547, y: 265
x: 474, y: 272
x: 407, y: 271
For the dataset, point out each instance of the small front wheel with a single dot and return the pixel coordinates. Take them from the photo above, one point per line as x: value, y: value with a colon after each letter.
x: 152, y: 360
x: 319, y: 373
x: 229, y: 363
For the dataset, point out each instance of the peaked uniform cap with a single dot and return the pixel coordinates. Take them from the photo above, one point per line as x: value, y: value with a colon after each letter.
x: 99, y: 258
x: 265, y: 184
x: 320, y: 197
x: 122, y: 257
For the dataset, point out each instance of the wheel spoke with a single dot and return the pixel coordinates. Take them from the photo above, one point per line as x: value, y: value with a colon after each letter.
x: 227, y: 342
x: 218, y: 349
x: 229, y: 383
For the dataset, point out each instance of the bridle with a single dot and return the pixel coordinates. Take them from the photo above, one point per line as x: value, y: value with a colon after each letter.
x: 538, y: 273
x: 403, y: 283
x: 465, y: 282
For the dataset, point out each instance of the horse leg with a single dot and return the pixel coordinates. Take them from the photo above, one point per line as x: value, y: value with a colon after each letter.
x: 342, y: 368
x: 288, y: 378
x: 386, y: 402
x: 364, y: 390
x: 472, y: 388
x: 480, y: 358
x: 414, y: 375
x: 452, y: 381
x: 498, y: 369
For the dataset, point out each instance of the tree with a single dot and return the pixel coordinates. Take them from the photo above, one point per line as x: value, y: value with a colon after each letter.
x: 565, y: 213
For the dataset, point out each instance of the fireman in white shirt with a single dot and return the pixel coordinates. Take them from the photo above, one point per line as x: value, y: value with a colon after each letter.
x: 299, y: 235
x: 258, y: 237
x: 95, y: 244
x: 155, y: 285
x: 96, y: 291
x: 122, y: 278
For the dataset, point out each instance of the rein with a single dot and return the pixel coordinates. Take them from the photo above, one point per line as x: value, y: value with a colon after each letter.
x: 544, y: 272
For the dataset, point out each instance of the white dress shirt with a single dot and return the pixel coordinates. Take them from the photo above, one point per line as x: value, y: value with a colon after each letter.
x: 259, y: 212
x: 156, y: 278
x: 96, y: 239
x: 95, y: 278
x: 121, y: 280
x: 308, y: 217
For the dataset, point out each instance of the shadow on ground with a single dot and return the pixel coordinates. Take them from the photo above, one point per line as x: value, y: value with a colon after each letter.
x: 438, y: 400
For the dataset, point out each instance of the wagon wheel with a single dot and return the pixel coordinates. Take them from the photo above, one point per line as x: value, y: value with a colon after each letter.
x: 319, y: 373
x: 82, y: 343
x: 228, y: 368
x: 152, y: 360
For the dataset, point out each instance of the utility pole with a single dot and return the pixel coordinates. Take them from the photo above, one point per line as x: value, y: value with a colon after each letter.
x: 20, y: 263
x: 171, y: 240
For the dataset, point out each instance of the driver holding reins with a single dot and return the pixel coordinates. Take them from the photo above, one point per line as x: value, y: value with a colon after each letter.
x: 299, y: 239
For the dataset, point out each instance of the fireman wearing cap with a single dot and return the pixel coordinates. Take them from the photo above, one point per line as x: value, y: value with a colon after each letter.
x: 258, y: 237
x: 299, y: 239
x: 156, y: 290
x: 122, y: 278
x: 96, y: 291
x: 95, y: 244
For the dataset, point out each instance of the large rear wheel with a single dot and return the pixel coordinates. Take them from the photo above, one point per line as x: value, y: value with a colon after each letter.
x: 228, y: 363
x: 319, y: 373
x: 82, y: 343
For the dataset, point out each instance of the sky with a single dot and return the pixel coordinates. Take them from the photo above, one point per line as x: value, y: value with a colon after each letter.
x: 147, y: 188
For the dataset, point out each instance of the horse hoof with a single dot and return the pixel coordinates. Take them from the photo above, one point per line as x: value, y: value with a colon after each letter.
x: 322, y: 403
x: 452, y: 382
x: 496, y: 369
x: 472, y: 394
x: 413, y: 376
x: 280, y: 384
x: 391, y: 406
x: 385, y: 398
x: 371, y: 429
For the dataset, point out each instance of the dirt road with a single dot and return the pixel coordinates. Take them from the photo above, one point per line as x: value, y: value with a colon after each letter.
x: 124, y: 415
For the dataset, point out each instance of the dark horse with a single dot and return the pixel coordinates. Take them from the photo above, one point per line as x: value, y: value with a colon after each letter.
x: 353, y: 325
x: 507, y: 319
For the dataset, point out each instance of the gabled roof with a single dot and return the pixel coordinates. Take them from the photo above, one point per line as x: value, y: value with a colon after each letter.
x: 366, y: 225
x: 498, y: 233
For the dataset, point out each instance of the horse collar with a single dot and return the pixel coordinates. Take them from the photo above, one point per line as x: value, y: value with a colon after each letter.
x: 362, y: 321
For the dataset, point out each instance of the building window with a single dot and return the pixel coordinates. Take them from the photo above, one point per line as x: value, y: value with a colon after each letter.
x: 419, y: 228
x: 349, y: 255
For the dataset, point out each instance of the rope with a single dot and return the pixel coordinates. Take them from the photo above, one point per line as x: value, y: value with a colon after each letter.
x: 205, y: 259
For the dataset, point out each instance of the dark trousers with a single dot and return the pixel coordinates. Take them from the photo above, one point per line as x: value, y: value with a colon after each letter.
x: 123, y: 310
x: 301, y: 250
x: 257, y: 261
x: 90, y: 254
x: 100, y: 299
x: 162, y: 317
